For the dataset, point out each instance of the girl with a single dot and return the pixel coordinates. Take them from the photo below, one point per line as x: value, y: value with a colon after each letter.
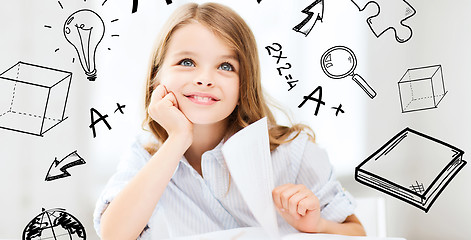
x: 203, y: 86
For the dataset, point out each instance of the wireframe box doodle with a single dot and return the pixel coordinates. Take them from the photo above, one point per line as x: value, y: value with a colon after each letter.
x: 33, y: 98
x: 421, y: 88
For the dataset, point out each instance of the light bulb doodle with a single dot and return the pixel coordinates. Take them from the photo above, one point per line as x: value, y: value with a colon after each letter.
x: 84, y: 29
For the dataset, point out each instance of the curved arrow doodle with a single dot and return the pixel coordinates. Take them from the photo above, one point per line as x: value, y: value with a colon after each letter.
x: 316, y: 10
x: 58, y: 169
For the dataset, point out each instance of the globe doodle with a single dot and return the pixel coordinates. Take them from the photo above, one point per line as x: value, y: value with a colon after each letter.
x: 54, y: 224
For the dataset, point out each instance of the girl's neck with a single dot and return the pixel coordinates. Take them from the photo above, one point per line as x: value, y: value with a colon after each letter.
x: 205, y: 137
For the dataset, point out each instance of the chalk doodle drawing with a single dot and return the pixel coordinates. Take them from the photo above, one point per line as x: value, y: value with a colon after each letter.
x: 421, y: 88
x: 338, y: 110
x: 392, y: 168
x: 135, y: 4
x: 315, y: 12
x: 340, y: 62
x: 391, y: 15
x: 54, y: 224
x: 276, y: 47
x: 33, y: 98
x: 84, y: 29
x: 58, y: 169
x: 318, y: 100
x: 101, y: 117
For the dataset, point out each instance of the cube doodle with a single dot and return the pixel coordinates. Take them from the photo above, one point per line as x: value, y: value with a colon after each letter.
x: 33, y: 98
x: 421, y: 88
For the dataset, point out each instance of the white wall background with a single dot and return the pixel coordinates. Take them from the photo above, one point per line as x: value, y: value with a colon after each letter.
x: 441, y: 35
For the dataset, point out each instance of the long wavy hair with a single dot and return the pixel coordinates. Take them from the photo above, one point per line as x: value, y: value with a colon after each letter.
x: 234, y: 31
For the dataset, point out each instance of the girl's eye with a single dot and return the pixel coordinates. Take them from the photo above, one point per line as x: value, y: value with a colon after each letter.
x: 226, y: 67
x: 187, y: 62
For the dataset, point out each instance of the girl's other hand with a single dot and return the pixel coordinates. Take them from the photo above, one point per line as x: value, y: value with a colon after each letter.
x: 164, y: 110
x: 299, y: 207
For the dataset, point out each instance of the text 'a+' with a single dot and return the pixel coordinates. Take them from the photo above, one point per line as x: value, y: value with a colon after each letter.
x: 102, y: 118
x: 319, y: 101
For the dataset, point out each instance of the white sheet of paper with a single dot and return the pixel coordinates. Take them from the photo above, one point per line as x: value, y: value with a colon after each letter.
x: 256, y: 233
x: 247, y: 155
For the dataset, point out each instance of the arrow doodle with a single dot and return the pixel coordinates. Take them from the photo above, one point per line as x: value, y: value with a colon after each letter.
x: 58, y: 169
x: 316, y: 10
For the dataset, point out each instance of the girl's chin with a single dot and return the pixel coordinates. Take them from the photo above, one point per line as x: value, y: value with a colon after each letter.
x: 200, y: 119
x: 205, y: 116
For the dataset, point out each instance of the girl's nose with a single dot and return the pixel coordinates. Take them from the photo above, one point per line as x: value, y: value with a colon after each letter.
x: 204, y: 78
x: 202, y: 82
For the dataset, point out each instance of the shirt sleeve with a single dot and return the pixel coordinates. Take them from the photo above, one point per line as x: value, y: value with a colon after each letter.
x: 316, y: 173
x: 130, y: 164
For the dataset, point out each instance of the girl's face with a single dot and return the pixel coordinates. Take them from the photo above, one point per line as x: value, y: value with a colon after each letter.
x: 203, y: 73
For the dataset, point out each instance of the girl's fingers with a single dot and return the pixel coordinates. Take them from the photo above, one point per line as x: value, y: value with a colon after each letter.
x: 276, y: 194
x: 159, y: 93
x: 174, y: 99
x: 170, y: 99
x: 294, y: 202
x: 309, y: 203
x: 287, y: 194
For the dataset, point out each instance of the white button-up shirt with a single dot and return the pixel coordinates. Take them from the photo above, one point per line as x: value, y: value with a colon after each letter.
x: 195, y: 204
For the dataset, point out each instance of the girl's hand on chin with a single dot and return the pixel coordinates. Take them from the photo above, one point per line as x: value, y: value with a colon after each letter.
x: 164, y: 110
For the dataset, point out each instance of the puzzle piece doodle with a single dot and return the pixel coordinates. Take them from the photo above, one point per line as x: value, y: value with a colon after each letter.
x: 391, y: 15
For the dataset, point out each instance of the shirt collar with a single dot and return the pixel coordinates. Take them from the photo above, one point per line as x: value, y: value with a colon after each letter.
x: 216, y: 152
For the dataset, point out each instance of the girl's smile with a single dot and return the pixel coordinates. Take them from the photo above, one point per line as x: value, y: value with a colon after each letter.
x: 202, y: 98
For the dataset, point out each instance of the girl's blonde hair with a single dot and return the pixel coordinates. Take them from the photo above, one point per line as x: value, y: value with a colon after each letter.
x: 232, y: 29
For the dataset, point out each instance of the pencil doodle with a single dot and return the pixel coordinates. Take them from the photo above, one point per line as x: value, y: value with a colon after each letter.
x: 54, y: 224
x: 391, y: 15
x: 84, y: 29
x: 421, y: 88
x: 338, y: 110
x: 33, y: 98
x: 119, y: 108
x: 58, y: 169
x: 390, y: 170
x: 94, y: 122
x: 417, y: 187
x: 102, y: 117
x: 340, y: 62
x: 276, y: 47
x: 315, y: 12
x: 135, y: 4
x: 318, y: 100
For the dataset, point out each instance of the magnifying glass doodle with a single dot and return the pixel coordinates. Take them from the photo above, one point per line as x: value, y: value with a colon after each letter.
x: 340, y: 62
